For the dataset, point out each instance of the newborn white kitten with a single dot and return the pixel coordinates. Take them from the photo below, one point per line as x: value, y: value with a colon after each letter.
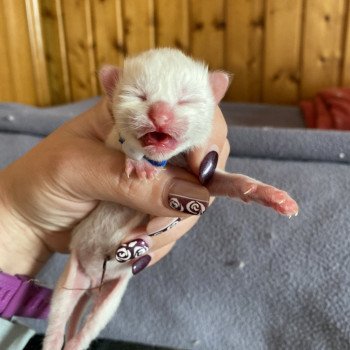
x: 163, y: 104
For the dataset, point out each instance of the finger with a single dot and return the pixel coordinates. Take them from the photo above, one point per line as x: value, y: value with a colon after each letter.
x: 172, y: 234
x: 161, y: 253
x: 150, y: 259
x: 248, y: 189
x: 203, y: 160
x: 141, y: 241
x: 163, y: 231
x: 157, y: 228
x: 99, y: 174
x: 95, y: 122
x: 225, y: 152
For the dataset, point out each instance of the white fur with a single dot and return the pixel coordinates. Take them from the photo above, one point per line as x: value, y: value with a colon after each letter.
x: 163, y: 75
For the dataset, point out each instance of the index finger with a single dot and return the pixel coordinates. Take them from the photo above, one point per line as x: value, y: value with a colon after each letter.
x: 200, y: 166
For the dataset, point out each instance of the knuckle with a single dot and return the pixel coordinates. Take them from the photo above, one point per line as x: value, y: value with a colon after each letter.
x: 132, y: 187
x: 65, y: 164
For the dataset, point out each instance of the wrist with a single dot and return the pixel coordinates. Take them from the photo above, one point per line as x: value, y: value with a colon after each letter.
x: 22, y: 251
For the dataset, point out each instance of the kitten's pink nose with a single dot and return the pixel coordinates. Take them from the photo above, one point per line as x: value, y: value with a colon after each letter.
x: 160, y: 113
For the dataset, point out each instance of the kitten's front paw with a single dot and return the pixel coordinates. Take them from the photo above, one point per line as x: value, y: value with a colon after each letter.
x: 143, y: 169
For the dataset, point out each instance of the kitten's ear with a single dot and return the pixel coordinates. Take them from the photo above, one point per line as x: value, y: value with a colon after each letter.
x: 219, y: 82
x: 109, y: 77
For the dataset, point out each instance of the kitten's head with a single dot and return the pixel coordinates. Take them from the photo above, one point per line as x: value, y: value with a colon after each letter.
x: 163, y: 101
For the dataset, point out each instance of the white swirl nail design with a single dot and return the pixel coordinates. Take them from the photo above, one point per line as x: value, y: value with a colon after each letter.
x: 131, y: 250
x: 175, y: 204
x: 174, y: 223
x: 195, y: 207
x: 123, y: 254
x: 188, y: 205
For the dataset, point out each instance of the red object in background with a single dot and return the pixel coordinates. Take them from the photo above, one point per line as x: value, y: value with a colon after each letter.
x: 330, y: 109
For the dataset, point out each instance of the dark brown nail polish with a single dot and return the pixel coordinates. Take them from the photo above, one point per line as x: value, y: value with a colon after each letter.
x: 140, y: 264
x: 131, y: 250
x: 207, y: 167
x: 188, y: 197
x: 167, y: 227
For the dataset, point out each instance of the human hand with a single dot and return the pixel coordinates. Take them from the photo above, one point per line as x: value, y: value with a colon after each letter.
x: 45, y: 193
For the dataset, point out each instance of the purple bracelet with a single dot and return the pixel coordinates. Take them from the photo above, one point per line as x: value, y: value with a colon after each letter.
x: 21, y: 296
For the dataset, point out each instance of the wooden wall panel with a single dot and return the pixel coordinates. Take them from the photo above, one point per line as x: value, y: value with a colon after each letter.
x: 172, y: 24
x: 322, y: 39
x: 108, y: 30
x: 80, y: 48
x: 207, y: 31
x: 7, y: 89
x: 37, y: 52
x: 243, y: 48
x: 107, y: 22
x: 55, y: 51
x: 19, y: 53
x: 281, y: 51
x: 345, y: 78
x: 138, y: 16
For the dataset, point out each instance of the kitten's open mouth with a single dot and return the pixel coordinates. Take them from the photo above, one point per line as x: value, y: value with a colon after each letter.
x: 160, y: 140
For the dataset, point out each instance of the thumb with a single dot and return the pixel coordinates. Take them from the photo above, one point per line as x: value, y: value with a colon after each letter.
x: 174, y: 192
x: 203, y: 161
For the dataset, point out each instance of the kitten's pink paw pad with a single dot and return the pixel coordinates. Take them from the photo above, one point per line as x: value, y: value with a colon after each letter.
x: 143, y: 169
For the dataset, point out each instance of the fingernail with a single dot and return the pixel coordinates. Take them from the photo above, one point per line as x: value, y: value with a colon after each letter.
x: 161, y: 224
x: 131, y: 250
x: 188, y: 197
x: 208, y: 166
x: 140, y: 264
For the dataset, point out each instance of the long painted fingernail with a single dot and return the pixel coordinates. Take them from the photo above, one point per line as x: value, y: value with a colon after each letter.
x: 188, y: 197
x: 161, y: 224
x: 131, y: 250
x: 208, y: 166
x: 140, y: 264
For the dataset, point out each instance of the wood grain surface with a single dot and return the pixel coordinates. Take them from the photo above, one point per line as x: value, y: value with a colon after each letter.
x: 278, y: 51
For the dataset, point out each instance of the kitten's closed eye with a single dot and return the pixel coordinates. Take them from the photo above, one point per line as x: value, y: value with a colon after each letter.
x: 186, y: 101
x: 142, y: 97
x: 132, y: 93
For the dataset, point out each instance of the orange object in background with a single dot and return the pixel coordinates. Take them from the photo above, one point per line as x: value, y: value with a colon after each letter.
x: 330, y: 109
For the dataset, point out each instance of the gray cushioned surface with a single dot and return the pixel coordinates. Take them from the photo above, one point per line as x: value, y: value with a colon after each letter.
x: 244, y: 278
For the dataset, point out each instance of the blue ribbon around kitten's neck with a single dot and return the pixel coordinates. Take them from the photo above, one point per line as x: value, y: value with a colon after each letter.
x: 152, y: 161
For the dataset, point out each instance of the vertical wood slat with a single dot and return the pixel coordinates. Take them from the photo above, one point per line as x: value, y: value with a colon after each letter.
x: 345, y: 78
x: 322, y: 40
x: 80, y: 48
x: 55, y: 51
x: 108, y: 31
x: 7, y: 92
x: 207, y: 31
x: 255, y: 40
x: 19, y: 53
x: 281, y: 52
x: 172, y: 30
x: 243, y: 46
x: 139, y: 32
x: 37, y: 51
